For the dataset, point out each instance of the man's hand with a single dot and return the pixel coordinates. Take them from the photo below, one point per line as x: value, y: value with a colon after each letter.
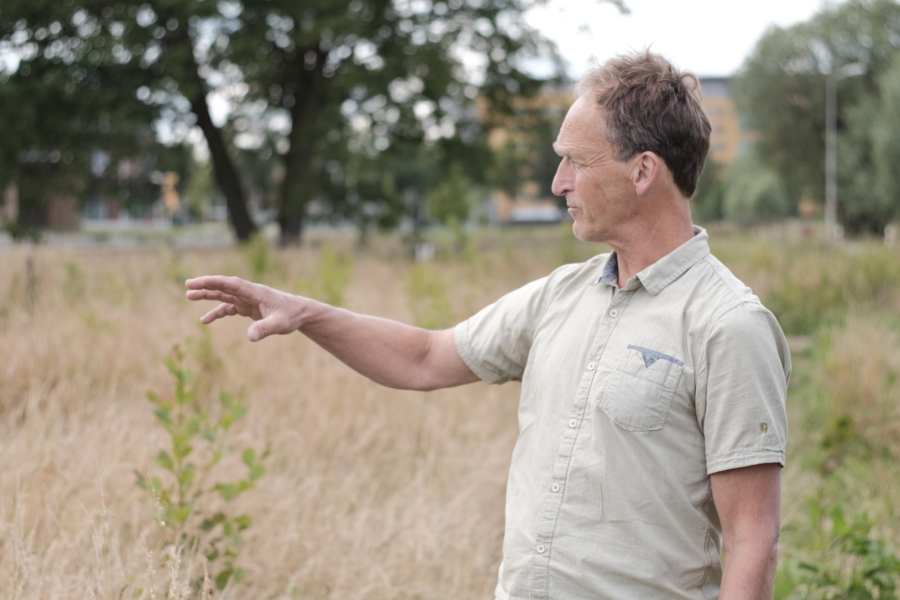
x: 274, y: 312
x: 390, y: 353
x: 748, y: 501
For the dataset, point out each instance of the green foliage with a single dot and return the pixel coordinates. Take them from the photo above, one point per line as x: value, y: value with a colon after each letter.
x: 844, y: 562
x: 451, y: 202
x: 182, y: 496
x: 356, y: 80
x: 335, y: 271
x: 752, y: 193
x: 333, y: 275
x: 706, y: 205
x: 74, y: 284
x: 258, y: 257
x: 428, y: 297
x: 781, y: 88
x: 803, y: 304
x: 816, y: 295
x: 880, y: 203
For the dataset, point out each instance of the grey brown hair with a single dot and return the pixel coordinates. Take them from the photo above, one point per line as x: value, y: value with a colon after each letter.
x: 652, y: 106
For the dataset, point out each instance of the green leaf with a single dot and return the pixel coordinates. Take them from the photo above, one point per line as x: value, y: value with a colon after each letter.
x: 180, y: 515
x: 164, y: 414
x: 186, y: 475
x: 222, y: 579
x: 243, y: 522
x: 249, y: 457
x: 235, y: 413
x: 228, y: 491
x: 257, y: 471
x: 165, y: 461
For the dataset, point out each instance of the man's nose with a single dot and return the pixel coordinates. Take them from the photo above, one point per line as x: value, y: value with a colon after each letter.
x: 563, y: 181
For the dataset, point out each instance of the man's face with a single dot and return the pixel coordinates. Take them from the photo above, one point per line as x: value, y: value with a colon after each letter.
x: 597, y: 187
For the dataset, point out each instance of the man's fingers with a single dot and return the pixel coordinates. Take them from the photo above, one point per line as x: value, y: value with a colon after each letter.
x: 234, y: 286
x: 211, y: 295
x: 219, y: 312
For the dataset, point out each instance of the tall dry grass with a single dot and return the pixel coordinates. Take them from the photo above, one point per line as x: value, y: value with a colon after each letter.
x: 370, y: 492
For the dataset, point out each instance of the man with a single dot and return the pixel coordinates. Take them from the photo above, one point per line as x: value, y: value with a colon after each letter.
x: 651, y: 423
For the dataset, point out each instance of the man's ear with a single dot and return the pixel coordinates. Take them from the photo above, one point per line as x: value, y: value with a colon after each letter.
x: 648, y: 168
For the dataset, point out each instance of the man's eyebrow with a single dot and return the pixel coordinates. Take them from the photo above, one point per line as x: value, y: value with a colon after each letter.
x: 556, y: 148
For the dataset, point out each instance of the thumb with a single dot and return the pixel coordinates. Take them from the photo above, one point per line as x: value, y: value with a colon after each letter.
x: 258, y: 330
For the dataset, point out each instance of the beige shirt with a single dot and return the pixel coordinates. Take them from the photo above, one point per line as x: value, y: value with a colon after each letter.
x: 630, y: 399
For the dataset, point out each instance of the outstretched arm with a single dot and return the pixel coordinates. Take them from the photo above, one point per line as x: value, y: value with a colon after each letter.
x: 388, y: 352
x: 748, y: 501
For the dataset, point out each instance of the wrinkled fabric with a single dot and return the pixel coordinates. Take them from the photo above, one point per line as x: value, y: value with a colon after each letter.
x: 630, y: 399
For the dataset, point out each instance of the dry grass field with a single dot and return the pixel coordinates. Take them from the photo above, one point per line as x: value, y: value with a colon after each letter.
x: 368, y: 492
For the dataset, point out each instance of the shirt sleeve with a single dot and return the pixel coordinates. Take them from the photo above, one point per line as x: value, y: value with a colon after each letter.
x: 495, y: 342
x: 741, y: 389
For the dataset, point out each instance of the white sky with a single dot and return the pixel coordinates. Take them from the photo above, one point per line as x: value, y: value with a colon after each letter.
x: 708, y: 37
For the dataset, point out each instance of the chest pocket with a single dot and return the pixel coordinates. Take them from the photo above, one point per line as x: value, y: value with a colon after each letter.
x: 640, y: 390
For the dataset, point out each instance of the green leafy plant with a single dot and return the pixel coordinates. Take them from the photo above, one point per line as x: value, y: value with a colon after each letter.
x: 334, y: 271
x: 843, y: 563
x: 258, y: 257
x: 428, y: 297
x: 184, y: 495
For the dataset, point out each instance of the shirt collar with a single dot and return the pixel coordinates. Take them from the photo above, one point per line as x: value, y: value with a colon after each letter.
x: 664, y: 271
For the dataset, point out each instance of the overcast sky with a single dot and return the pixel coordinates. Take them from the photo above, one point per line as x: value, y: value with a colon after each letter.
x: 708, y: 37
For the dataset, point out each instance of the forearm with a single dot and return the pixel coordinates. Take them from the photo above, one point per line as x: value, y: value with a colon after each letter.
x: 749, y: 572
x: 390, y: 353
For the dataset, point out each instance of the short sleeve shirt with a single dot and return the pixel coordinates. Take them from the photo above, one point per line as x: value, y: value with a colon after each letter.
x: 630, y: 399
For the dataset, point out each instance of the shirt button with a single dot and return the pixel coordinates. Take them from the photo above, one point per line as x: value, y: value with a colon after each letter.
x: 541, y: 548
x: 591, y: 366
x: 614, y: 313
x: 573, y: 423
x: 555, y: 487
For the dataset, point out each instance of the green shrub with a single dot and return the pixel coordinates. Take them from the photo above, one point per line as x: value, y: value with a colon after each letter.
x: 428, y: 298
x: 335, y: 271
x: 182, y: 495
x: 803, y: 304
x: 844, y: 562
x: 258, y: 258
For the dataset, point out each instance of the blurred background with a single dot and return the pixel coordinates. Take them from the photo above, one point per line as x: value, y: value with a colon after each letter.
x: 413, y: 115
x: 394, y: 157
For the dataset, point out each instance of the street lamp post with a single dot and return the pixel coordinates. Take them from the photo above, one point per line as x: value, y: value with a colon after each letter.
x: 831, y: 81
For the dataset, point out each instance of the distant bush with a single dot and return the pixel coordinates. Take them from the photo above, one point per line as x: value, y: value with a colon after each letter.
x: 333, y: 275
x: 752, y: 193
x: 844, y: 562
x: 428, y: 297
x: 861, y: 396
x: 804, y: 302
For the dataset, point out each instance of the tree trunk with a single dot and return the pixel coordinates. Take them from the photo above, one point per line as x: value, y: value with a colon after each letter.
x: 226, y: 175
x: 299, y: 186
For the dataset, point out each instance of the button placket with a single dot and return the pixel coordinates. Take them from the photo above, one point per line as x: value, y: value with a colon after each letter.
x: 550, y: 507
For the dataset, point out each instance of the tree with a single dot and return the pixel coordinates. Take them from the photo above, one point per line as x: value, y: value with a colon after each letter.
x: 753, y: 193
x: 706, y: 204
x: 781, y: 88
x: 316, y: 82
x: 64, y: 126
x: 869, y: 155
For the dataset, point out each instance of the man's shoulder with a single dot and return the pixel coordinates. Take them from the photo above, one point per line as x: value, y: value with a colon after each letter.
x: 588, y: 270
x: 722, y: 286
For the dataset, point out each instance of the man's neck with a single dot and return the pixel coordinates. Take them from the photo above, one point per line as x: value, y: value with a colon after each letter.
x: 638, y: 249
